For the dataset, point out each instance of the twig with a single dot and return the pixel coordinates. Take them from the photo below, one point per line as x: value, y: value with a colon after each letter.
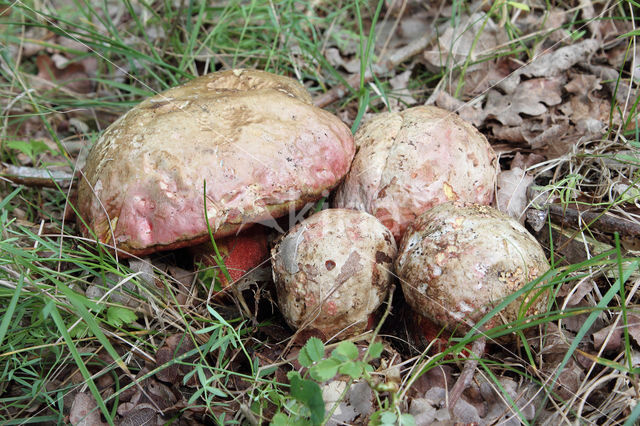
x: 31, y: 176
x: 601, y: 221
x: 382, y: 67
x: 477, y: 350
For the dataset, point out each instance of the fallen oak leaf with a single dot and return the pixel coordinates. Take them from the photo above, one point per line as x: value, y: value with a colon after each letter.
x: 608, y: 338
x: 471, y: 112
x: 512, y: 192
x: 550, y: 63
x: 72, y: 77
x: 555, y: 62
x: 633, y: 326
x: 84, y: 411
x: 531, y: 97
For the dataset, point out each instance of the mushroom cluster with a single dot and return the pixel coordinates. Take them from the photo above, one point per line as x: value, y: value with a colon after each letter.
x: 234, y: 148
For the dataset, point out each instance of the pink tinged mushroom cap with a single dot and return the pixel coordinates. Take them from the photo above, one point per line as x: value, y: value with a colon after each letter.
x: 410, y: 161
x: 252, y: 136
x: 457, y: 261
x: 333, y: 270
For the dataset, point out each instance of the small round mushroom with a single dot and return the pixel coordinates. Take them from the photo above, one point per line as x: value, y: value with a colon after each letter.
x: 253, y: 137
x: 333, y: 270
x: 410, y: 161
x: 459, y: 260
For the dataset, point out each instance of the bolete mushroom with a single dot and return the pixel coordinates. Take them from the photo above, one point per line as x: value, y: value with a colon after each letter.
x: 253, y: 137
x: 410, y: 161
x: 458, y: 260
x: 332, y: 270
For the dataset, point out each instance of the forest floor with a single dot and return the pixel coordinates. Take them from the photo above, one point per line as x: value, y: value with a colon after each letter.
x: 86, y: 338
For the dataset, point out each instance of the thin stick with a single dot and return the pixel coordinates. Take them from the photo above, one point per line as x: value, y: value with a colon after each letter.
x: 601, y: 221
x: 31, y: 176
x: 467, y: 373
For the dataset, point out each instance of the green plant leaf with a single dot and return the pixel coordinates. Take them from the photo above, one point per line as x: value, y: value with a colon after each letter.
x: 309, y: 393
x: 347, y: 349
x: 325, y: 369
x: 380, y: 418
x: 311, y: 352
x: 518, y: 5
x: 117, y: 316
x: 30, y: 148
x: 280, y: 419
x: 407, y: 419
x: 376, y: 350
x: 351, y: 369
x: 62, y: 328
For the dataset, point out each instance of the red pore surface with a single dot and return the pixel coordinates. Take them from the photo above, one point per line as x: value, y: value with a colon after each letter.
x: 252, y: 137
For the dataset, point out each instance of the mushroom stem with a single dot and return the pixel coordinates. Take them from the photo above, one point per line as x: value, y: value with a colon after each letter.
x: 477, y: 350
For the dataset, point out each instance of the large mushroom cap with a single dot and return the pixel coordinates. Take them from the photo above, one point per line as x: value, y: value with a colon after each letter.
x: 332, y: 270
x: 252, y: 136
x: 410, y: 161
x: 459, y: 260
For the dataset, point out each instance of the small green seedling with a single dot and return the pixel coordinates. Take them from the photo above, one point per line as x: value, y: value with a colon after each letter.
x: 308, y: 405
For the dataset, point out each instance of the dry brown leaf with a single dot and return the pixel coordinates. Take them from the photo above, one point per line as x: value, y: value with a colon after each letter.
x: 161, y: 394
x: 583, y: 84
x: 526, y: 161
x: 423, y: 411
x: 512, y: 192
x: 530, y: 97
x: 549, y: 136
x: 463, y: 412
x: 483, y: 77
x: 551, y: 22
x: 633, y: 326
x: 175, y: 346
x: 575, y: 292
x: 401, y: 95
x: 609, y: 337
x: 610, y: 78
x: 455, y: 42
x: 569, y: 380
x: 183, y: 280
x: 471, y: 112
x: 395, y: 31
x: 552, y: 63
x: 84, y: 411
x: 72, y: 77
x: 499, y: 412
x: 440, y: 376
x: 144, y: 414
x: 332, y: 394
x: 121, y: 295
x: 517, y: 134
x: 588, y: 116
x: 574, y: 322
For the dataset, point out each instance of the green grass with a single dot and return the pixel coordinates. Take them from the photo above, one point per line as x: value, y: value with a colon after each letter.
x: 54, y: 340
